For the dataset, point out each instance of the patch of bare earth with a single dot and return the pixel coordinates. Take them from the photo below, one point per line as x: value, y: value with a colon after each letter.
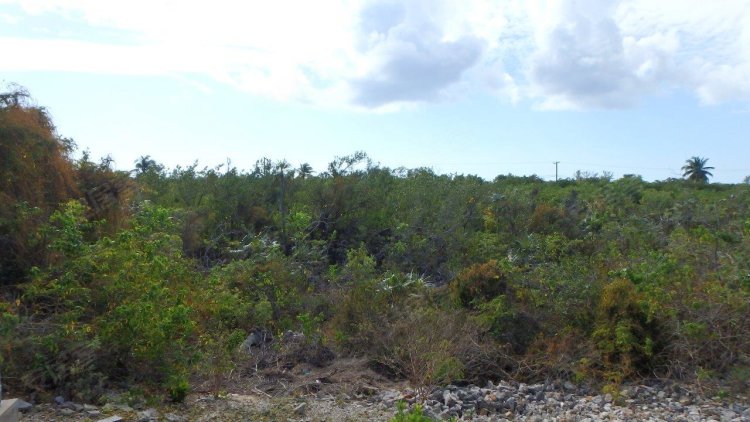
x: 346, y: 389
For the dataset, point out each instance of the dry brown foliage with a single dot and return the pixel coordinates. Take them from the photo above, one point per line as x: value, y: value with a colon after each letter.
x: 35, y: 176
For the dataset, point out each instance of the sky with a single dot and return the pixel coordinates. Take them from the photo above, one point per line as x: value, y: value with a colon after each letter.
x: 483, y: 87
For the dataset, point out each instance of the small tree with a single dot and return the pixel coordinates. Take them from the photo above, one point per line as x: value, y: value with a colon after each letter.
x: 696, y: 170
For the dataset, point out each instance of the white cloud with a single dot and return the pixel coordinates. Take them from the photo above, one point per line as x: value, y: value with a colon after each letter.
x: 410, y: 57
x: 584, y: 59
x: 388, y: 54
x: 720, y: 83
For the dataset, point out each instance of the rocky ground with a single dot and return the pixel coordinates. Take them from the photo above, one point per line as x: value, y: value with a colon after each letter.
x: 566, y: 402
x: 303, y: 384
x: 560, y: 401
x: 233, y: 407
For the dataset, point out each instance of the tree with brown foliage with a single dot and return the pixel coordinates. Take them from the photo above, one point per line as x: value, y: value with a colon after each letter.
x: 35, y: 176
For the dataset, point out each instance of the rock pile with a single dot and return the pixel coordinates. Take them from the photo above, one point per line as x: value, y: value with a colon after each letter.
x: 504, y: 401
x: 69, y: 410
x: 565, y: 401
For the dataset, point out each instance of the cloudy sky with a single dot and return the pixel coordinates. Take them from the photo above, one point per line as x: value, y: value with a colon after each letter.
x: 484, y: 87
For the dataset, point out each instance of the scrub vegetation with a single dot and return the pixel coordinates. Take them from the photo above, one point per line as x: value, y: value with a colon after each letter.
x: 156, y: 276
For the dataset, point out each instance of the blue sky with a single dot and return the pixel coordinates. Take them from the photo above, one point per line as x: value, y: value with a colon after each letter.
x: 479, y: 87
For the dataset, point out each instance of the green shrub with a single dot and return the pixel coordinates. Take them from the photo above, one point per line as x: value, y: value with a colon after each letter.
x: 413, y: 415
x: 622, y: 332
x: 706, y: 327
x: 272, y: 284
x: 130, y: 306
x: 360, y: 266
x: 367, y: 307
x: 178, y: 387
x: 507, y: 325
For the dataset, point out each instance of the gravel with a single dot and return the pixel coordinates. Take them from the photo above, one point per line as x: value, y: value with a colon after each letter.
x: 566, y: 402
x: 504, y: 401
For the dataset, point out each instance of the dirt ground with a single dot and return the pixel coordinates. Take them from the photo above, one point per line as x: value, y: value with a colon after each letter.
x: 343, y: 376
x: 346, y: 389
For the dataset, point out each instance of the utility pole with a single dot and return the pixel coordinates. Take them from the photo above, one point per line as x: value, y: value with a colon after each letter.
x: 282, y: 166
x: 556, y: 163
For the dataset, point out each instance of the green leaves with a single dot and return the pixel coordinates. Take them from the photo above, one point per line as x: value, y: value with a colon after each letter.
x: 622, y: 333
x: 133, y: 298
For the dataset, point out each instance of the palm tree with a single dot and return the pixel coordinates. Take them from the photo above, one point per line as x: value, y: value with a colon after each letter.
x: 695, y: 170
x: 145, y: 164
x: 305, y: 170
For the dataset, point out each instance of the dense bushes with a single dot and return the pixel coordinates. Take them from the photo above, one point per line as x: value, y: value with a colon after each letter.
x: 434, y: 278
x: 412, y: 331
x: 128, y: 307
